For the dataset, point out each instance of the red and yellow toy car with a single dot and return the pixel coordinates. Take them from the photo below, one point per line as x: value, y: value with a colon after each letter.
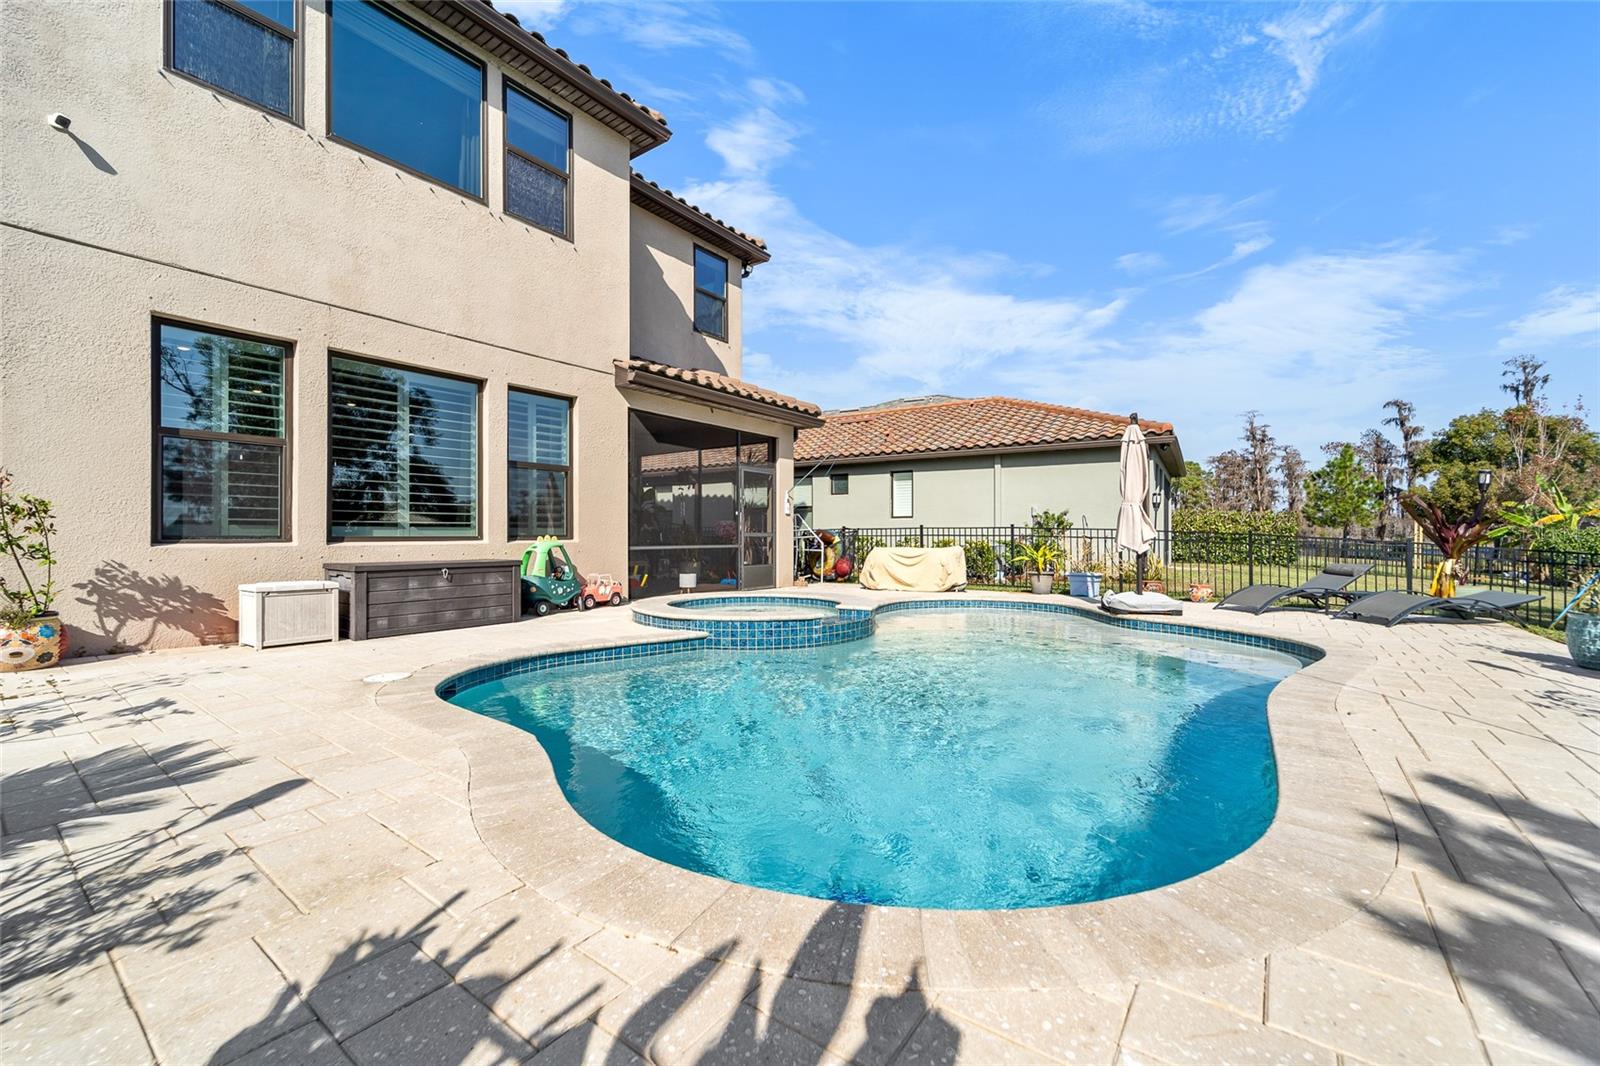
x: 601, y: 588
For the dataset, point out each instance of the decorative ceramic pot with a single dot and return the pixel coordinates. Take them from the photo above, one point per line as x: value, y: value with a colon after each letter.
x: 1084, y: 583
x: 1042, y: 583
x: 1199, y: 592
x: 1583, y: 639
x: 39, y: 643
x: 1156, y: 586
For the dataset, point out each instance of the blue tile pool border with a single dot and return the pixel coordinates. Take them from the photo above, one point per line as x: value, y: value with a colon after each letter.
x: 853, y: 623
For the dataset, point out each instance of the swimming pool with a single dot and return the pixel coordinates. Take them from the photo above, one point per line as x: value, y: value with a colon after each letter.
x: 952, y: 759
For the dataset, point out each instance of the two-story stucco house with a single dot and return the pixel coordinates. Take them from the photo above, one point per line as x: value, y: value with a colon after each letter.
x: 943, y: 462
x: 288, y: 282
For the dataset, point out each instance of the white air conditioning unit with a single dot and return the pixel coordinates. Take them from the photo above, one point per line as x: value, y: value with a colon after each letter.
x: 288, y: 612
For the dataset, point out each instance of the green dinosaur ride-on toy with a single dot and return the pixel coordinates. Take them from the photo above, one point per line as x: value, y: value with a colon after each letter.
x: 549, y: 580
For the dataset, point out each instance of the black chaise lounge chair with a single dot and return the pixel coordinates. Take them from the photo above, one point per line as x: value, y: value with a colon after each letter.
x: 1387, y: 608
x: 1327, y: 585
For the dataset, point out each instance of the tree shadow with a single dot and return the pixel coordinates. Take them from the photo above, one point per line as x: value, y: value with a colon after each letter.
x: 1521, y: 936
x: 131, y: 607
x: 796, y: 1022
x: 106, y: 852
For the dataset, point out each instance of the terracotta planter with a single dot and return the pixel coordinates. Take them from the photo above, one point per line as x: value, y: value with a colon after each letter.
x: 1583, y: 639
x: 1156, y: 586
x: 40, y: 643
x: 1199, y: 592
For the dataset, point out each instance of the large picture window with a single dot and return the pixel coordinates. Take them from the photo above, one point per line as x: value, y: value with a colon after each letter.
x: 710, y: 293
x: 403, y: 452
x: 403, y: 95
x: 244, y: 48
x: 220, y: 435
x: 539, y: 474
x: 538, y: 150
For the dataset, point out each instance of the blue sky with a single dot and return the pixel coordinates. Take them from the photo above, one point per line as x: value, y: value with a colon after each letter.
x: 1186, y: 210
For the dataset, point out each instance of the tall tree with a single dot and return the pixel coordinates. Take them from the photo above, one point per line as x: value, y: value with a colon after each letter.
x: 1524, y: 378
x: 1260, y: 452
x: 1193, y: 489
x: 1404, y: 420
x: 1292, y: 472
x: 1229, y: 478
x: 1341, y: 493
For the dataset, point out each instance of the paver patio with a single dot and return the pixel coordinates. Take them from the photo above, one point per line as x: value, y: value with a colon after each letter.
x: 225, y: 855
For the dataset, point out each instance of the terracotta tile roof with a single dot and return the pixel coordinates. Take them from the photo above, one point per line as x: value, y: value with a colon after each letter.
x: 674, y: 208
x: 959, y: 425
x: 707, y: 379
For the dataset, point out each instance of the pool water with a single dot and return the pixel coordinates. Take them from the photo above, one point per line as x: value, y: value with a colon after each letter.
x: 735, y: 607
x: 983, y: 759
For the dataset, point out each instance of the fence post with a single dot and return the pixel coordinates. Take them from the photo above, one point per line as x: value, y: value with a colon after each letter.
x: 1411, y: 565
x: 922, y: 536
x: 1250, y: 555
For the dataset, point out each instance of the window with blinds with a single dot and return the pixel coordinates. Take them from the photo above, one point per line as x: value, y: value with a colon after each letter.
x: 539, y: 465
x: 403, y: 447
x: 220, y: 435
x: 900, y: 494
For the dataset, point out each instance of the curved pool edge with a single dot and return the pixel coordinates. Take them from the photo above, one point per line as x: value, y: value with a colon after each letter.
x: 1320, y: 862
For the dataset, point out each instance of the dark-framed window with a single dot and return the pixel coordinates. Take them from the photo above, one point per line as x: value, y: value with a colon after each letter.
x: 402, y: 452
x: 710, y: 293
x: 900, y: 494
x: 245, y: 49
x: 539, y: 465
x: 221, y: 435
x: 402, y: 94
x: 838, y: 484
x: 538, y: 165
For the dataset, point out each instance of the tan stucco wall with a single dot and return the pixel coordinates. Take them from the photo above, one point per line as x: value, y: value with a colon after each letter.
x: 662, y: 294
x: 169, y: 200
x: 997, y: 489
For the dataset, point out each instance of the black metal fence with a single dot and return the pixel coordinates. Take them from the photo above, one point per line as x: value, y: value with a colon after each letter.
x: 1229, y: 561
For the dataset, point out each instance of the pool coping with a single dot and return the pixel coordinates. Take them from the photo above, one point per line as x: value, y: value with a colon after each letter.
x: 1319, y: 863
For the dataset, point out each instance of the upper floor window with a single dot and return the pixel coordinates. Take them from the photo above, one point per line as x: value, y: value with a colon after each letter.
x: 839, y: 484
x: 539, y: 454
x: 403, y: 448
x: 538, y: 161
x: 404, y: 95
x: 220, y: 435
x: 244, y: 48
x: 710, y: 293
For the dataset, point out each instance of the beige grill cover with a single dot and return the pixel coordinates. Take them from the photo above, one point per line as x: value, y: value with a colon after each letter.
x: 915, y: 569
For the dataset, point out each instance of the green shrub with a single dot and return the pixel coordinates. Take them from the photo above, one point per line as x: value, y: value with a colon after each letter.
x: 1564, y: 539
x: 1205, y: 536
x: 981, y: 559
x: 908, y: 542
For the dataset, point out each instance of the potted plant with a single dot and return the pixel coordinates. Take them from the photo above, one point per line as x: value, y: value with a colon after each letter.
x: 1083, y: 579
x: 1038, y: 559
x: 1199, y: 592
x: 1583, y: 626
x: 31, y: 634
x: 1521, y: 521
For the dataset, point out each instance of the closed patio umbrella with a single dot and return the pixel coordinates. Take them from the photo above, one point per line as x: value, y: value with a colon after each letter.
x: 1135, y: 532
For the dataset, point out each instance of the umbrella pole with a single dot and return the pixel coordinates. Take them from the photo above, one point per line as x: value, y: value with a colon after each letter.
x: 1138, y: 572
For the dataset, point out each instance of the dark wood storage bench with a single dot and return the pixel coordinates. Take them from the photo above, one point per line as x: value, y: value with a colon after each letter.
x: 387, y: 599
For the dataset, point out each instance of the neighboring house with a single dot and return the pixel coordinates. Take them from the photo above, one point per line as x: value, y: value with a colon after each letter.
x: 344, y: 281
x: 942, y: 462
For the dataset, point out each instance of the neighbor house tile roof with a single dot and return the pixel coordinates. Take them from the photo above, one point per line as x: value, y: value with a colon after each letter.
x: 635, y: 369
x: 958, y: 426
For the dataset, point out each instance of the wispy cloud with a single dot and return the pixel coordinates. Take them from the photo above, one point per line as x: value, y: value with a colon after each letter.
x: 660, y: 26
x: 1183, y: 214
x: 1241, y: 250
x: 1136, y: 263
x: 1219, y: 71
x: 912, y: 319
x: 536, y: 14
x: 1563, y: 313
x: 1508, y: 235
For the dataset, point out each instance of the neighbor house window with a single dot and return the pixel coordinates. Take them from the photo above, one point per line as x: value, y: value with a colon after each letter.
x: 245, y: 48
x: 404, y: 95
x: 710, y: 293
x: 539, y: 454
x: 900, y: 494
x: 839, y: 485
x: 538, y: 147
x: 220, y: 436
x: 403, y: 451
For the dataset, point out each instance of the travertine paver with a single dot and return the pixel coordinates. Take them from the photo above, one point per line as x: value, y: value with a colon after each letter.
x: 223, y: 855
